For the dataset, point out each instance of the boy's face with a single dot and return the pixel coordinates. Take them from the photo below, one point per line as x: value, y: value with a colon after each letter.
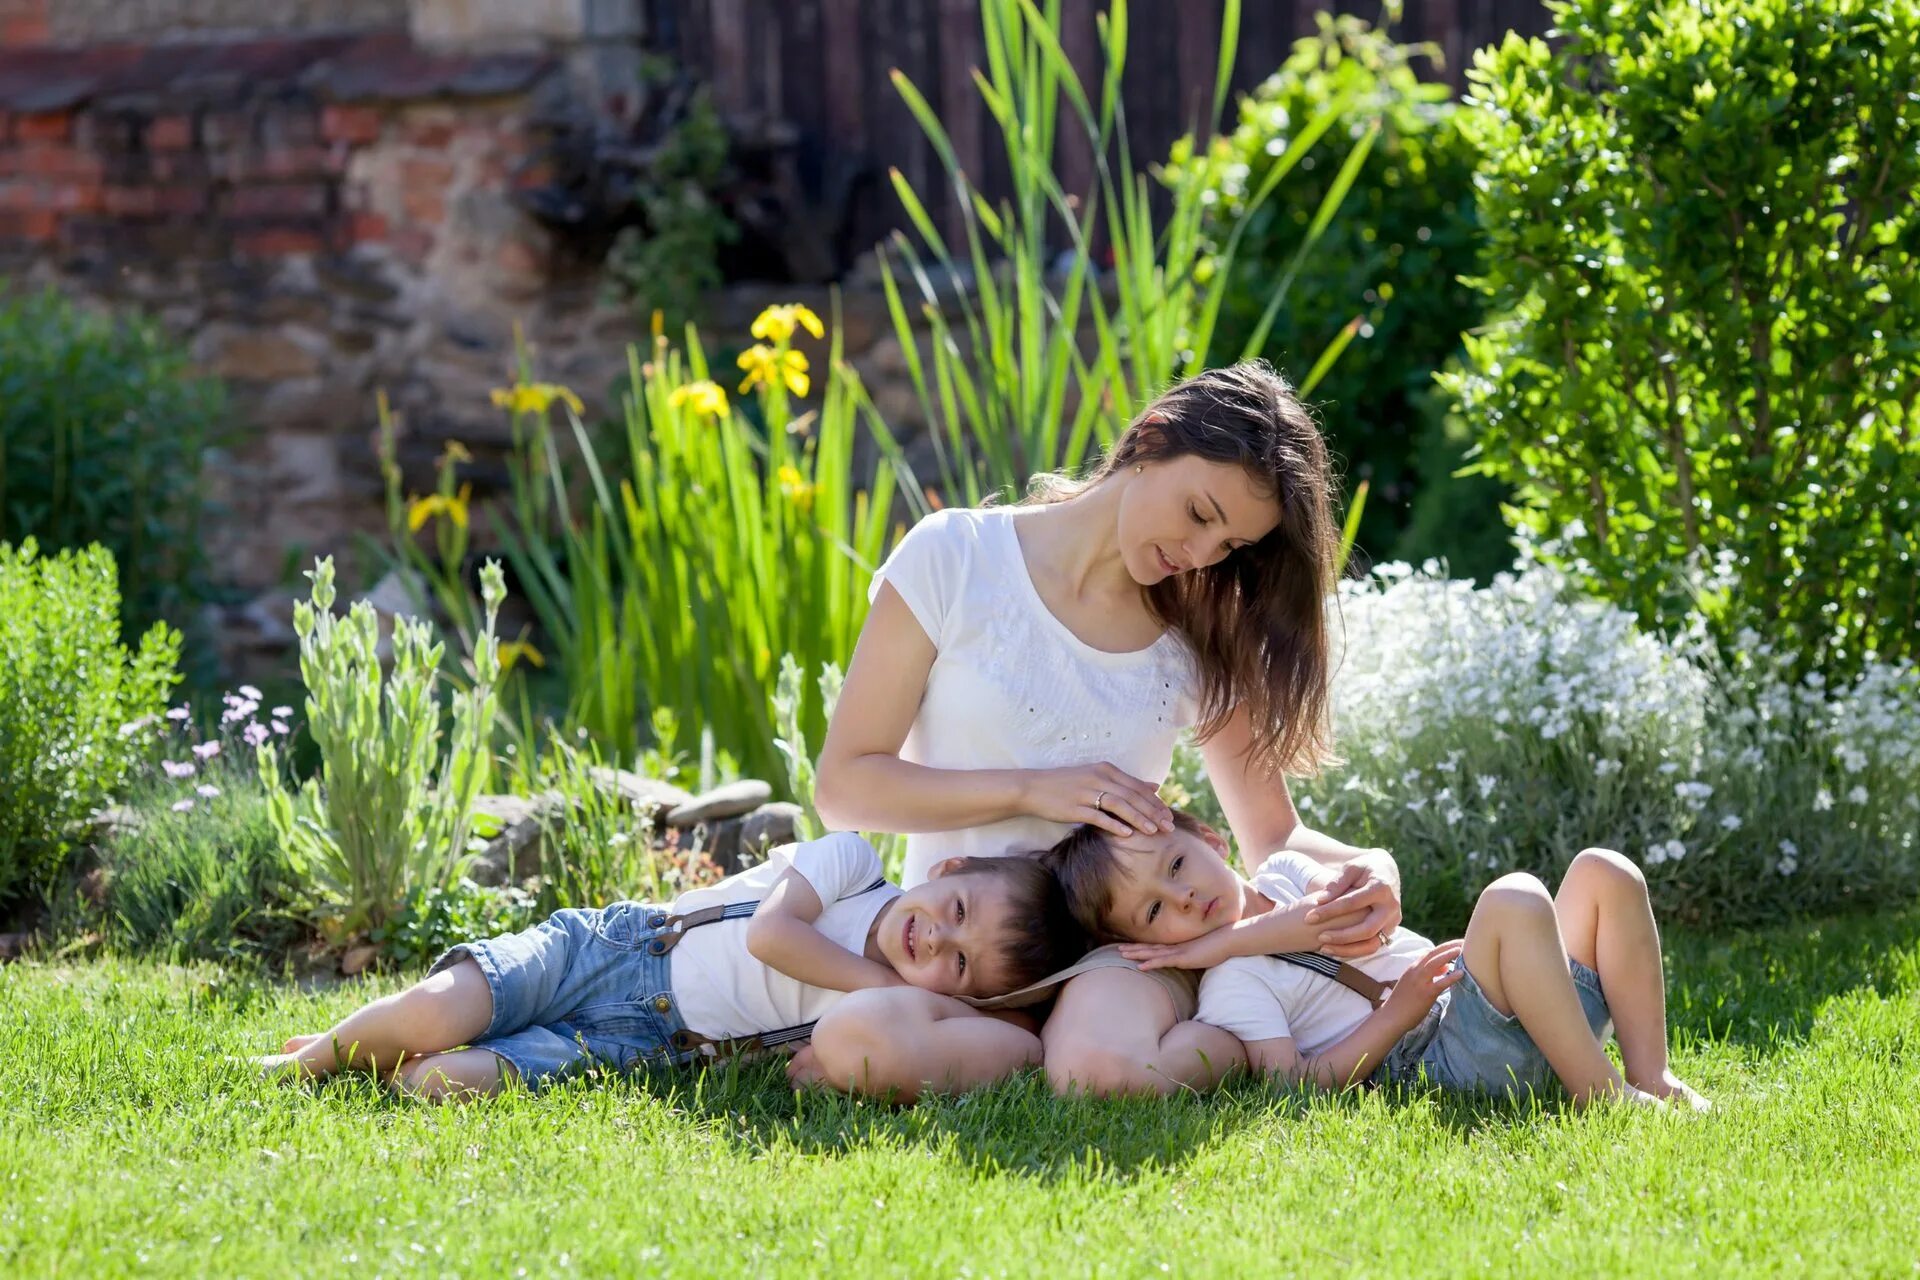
x: 947, y: 935
x: 1172, y: 887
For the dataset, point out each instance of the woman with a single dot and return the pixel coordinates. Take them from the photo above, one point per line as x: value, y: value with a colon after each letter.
x: 1027, y: 669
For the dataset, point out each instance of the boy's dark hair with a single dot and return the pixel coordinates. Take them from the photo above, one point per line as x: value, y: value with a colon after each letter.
x: 1042, y: 935
x: 1085, y: 865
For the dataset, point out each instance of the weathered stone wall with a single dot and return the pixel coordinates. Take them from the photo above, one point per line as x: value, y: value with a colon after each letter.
x: 82, y: 21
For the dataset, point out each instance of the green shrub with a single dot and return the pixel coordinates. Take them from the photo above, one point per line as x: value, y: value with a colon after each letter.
x: 388, y: 813
x: 102, y: 427
x: 1701, y: 231
x: 594, y: 846
x: 203, y: 874
x: 1389, y: 263
x: 72, y: 702
x: 1507, y: 728
x: 432, y: 918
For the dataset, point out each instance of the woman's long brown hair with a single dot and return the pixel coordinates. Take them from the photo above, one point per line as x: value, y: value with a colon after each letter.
x: 1257, y: 620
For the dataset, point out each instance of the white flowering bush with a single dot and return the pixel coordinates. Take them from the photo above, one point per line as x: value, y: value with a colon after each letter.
x: 1507, y: 728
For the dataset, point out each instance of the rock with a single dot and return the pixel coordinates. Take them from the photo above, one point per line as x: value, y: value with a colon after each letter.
x: 110, y: 823
x: 515, y: 853
x: 722, y: 844
x: 730, y: 800
x: 359, y: 959
x: 768, y: 826
x: 13, y: 945
x: 648, y: 795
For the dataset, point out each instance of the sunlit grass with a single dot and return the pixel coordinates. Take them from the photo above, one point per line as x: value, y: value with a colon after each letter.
x: 129, y: 1146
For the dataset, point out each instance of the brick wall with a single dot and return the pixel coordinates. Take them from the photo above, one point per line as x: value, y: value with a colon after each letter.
x: 83, y: 21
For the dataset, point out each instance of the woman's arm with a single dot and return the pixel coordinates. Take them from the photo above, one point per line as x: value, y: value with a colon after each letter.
x: 782, y: 936
x: 1261, y: 813
x: 864, y: 785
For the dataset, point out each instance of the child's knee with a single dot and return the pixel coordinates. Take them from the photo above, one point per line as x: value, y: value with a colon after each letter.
x: 1604, y: 866
x: 1516, y: 896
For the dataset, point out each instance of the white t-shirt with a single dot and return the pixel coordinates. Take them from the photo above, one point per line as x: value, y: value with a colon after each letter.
x: 1013, y: 688
x: 722, y: 990
x: 1260, y: 998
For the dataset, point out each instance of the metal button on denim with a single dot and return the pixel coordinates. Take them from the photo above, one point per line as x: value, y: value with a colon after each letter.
x: 662, y: 1003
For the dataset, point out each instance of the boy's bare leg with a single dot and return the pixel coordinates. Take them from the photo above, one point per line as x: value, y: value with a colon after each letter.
x: 1607, y: 924
x: 439, y: 1012
x: 1115, y: 1031
x: 1515, y: 953
x: 459, y: 1076
x: 901, y: 1042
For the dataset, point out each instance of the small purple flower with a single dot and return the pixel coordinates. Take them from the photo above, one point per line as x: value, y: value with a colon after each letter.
x: 181, y: 806
x: 207, y: 750
x: 250, y: 693
x: 239, y: 711
x: 208, y: 790
x: 178, y: 713
x: 282, y: 728
x: 281, y: 713
x: 255, y: 734
x: 178, y: 768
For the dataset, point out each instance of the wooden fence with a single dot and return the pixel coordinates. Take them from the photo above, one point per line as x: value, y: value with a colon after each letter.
x: 822, y: 67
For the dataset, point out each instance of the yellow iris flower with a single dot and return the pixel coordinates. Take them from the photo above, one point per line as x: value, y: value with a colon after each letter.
x: 795, y: 486
x: 776, y: 324
x: 766, y: 365
x: 707, y: 398
x: 513, y: 650
x: 421, y: 510
x: 536, y: 397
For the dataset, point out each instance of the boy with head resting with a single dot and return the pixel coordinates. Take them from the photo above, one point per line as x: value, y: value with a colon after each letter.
x: 748, y: 964
x: 1528, y: 993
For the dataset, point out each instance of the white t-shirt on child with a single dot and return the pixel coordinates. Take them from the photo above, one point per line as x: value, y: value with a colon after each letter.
x: 1013, y: 688
x: 1260, y: 998
x: 722, y: 990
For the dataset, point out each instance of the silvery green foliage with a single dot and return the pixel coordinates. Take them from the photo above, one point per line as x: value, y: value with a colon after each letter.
x: 1509, y: 727
x: 390, y: 810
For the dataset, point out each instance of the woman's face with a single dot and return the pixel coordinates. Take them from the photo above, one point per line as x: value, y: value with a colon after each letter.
x: 1187, y: 513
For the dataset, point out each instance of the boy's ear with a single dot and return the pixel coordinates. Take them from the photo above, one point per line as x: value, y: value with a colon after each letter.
x: 1216, y: 841
x: 944, y: 867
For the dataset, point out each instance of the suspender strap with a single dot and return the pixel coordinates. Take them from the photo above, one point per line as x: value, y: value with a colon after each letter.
x: 675, y: 928
x: 1340, y: 971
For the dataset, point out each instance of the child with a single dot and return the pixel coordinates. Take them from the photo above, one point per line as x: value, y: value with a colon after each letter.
x: 1538, y: 977
x: 747, y: 964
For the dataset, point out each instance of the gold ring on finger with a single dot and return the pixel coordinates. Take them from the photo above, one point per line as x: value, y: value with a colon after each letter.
x: 1100, y: 802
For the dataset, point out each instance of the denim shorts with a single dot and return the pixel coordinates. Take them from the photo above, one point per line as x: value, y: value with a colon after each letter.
x: 1464, y: 1043
x: 579, y: 989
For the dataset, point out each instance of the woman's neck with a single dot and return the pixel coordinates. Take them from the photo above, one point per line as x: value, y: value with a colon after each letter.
x: 1077, y: 543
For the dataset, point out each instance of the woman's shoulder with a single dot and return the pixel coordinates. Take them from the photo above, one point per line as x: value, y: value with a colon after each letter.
x: 961, y: 524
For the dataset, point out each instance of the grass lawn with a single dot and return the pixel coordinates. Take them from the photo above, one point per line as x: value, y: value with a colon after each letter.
x: 128, y: 1147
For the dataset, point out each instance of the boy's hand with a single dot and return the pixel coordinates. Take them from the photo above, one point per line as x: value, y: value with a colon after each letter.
x: 1416, y: 990
x: 803, y: 1069
x: 1203, y: 952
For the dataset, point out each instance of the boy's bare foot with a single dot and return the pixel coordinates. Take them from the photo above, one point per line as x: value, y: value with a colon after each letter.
x: 278, y: 1066
x: 295, y: 1044
x: 1677, y: 1091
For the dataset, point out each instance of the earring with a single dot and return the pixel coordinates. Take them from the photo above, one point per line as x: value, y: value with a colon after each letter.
x: 1139, y: 467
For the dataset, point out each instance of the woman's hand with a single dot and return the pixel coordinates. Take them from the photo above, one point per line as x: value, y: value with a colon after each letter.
x: 1416, y: 989
x: 1362, y: 885
x: 1102, y: 795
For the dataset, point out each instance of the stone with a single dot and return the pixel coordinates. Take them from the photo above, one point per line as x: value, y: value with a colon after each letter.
x: 515, y: 853
x: 14, y: 945
x: 111, y: 823
x: 358, y: 960
x: 256, y: 355
x: 767, y: 827
x: 647, y: 795
x: 722, y: 844
x: 729, y: 800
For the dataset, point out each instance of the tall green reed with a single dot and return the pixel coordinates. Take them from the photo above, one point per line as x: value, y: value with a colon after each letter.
x: 1026, y: 390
